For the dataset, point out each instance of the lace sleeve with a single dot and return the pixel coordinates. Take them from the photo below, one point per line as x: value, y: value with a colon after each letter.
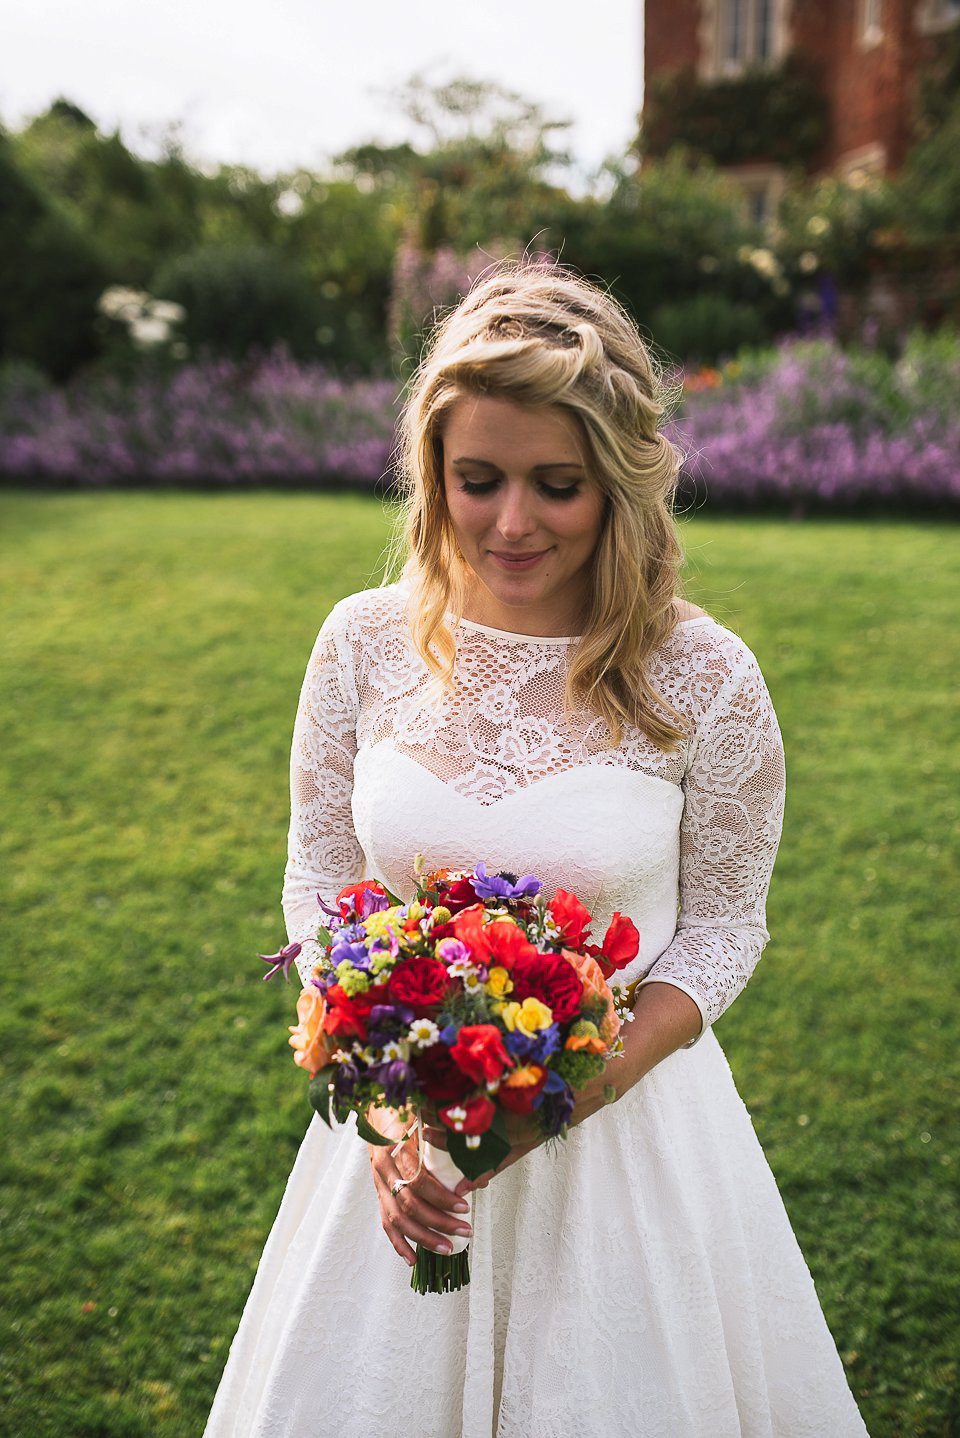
x: 733, y: 813
x: 323, y: 853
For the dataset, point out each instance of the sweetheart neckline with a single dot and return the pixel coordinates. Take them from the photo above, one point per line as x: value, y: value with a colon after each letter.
x: 388, y: 742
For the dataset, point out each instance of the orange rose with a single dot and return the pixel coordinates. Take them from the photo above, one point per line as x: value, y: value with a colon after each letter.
x: 595, y: 986
x: 312, y: 1045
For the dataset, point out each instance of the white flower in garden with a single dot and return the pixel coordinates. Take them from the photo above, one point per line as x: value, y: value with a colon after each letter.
x: 167, y: 310
x: 818, y: 225
x: 808, y: 262
x: 764, y: 262
x: 121, y: 303
x: 147, y: 331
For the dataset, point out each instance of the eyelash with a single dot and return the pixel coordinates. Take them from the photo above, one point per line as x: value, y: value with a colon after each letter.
x: 470, y: 486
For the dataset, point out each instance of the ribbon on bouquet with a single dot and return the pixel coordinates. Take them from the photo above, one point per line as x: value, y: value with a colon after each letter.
x: 421, y: 1148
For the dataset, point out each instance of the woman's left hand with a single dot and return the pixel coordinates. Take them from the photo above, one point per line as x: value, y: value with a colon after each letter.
x: 524, y: 1133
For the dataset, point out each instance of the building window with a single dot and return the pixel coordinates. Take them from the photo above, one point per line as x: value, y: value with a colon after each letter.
x: 744, y: 34
x: 871, y: 22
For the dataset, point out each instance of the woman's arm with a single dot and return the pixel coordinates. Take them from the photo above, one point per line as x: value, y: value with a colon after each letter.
x: 729, y: 833
x: 323, y: 854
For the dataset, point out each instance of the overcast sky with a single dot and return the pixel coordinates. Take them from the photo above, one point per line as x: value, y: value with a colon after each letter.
x: 288, y: 83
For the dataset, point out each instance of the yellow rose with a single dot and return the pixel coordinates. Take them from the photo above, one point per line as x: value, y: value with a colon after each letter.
x: 498, y: 982
x: 527, y: 1018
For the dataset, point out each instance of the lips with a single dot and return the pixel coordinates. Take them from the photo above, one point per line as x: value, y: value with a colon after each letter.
x: 525, y: 560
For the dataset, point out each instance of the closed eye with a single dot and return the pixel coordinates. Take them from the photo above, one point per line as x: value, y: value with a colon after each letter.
x: 474, y: 486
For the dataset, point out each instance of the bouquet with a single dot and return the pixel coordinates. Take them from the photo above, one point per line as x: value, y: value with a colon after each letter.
x: 476, y: 999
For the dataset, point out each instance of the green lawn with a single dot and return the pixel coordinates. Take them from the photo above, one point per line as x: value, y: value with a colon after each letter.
x: 153, y: 651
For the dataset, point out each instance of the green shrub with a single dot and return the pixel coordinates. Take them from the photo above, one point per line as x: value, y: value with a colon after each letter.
x: 240, y: 299
x: 707, y: 327
x: 52, y: 279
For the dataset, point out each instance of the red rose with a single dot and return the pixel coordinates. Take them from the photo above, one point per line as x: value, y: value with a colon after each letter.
x: 570, y: 917
x: 346, y: 1015
x: 506, y: 943
x: 351, y: 898
x: 458, y: 896
x: 473, y: 1116
x: 479, y: 1051
x: 421, y: 983
x: 438, y: 1075
x: 550, y: 978
x: 620, y: 944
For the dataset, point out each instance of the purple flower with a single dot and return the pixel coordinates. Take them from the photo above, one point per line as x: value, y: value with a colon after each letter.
x: 281, y: 960
x: 555, y: 1102
x: 504, y: 886
x: 355, y: 954
x: 397, y: 1079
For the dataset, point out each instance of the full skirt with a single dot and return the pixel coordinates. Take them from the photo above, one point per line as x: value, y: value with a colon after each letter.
x: 641, y: 1278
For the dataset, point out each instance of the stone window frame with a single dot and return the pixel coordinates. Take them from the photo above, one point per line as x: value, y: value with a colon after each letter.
x: 712, y: 64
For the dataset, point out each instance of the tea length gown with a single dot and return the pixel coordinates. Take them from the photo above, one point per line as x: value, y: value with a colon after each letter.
x: 641, y: 1278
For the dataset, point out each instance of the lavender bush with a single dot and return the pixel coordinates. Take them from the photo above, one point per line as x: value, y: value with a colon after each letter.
x: 206, y: 423
x: 811, y: 427
x: 805, y: 427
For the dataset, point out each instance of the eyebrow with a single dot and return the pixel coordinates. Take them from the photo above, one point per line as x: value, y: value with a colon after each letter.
x: 485, y: 464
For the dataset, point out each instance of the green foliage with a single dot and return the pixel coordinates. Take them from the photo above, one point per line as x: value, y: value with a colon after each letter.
x: 707, y: 327
x: 676, y: 228
x: 928, y: 188
x: 131, y: 212
x: 578, y: 1068
x: 150, y: 1102
x: 241, y: 299
x: 777, y: 113
x: 52, y: 278
x: 841, y: 226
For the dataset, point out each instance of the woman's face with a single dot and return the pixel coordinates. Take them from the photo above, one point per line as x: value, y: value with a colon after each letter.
x: 526, y: 514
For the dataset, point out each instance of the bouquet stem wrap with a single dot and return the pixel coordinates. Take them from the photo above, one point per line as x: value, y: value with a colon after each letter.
x: 442, y: 1272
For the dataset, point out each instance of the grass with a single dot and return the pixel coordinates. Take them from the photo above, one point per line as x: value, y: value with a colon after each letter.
x: 153, y: 649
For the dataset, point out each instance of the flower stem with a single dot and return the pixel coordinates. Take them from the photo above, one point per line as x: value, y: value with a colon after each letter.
x: 439, y: 1272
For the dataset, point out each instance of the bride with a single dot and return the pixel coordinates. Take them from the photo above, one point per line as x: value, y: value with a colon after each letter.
x: 533, y: 694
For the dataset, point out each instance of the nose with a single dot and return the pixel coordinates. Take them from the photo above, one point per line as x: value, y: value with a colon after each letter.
x: 516, y: 519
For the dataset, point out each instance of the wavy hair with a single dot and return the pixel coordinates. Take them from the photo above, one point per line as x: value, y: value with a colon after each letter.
x: 541, y: 335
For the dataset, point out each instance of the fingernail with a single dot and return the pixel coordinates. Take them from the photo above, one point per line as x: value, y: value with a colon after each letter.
x: 465, y: 1229
x: 442, y: 1248
x: 461, y: 1207
x: 409, y: 1261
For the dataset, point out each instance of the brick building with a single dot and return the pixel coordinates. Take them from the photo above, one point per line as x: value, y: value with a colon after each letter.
x: 865, y: 55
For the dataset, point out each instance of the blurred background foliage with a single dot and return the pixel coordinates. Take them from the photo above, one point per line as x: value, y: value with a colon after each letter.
x: 345, y: 267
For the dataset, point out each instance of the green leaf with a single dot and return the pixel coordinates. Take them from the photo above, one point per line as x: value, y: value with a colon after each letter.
x: 370, y: 1134
x: 489, y: 1153
x: 324, y: 937
x: 320, y: 1095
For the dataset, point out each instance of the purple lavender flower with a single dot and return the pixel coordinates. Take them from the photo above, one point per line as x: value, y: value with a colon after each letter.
x: 504, y: 886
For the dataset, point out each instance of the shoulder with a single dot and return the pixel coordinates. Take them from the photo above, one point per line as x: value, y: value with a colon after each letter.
x: 709, y: 668
x: 369, y: 611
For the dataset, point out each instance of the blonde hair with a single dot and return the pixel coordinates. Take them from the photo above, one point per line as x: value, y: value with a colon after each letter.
x: 542, y: 336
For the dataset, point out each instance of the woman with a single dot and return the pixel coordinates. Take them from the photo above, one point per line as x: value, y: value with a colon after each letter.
x: 533, y: 694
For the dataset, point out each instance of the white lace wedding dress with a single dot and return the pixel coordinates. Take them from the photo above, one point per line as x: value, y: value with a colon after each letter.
x: 640, y: 1280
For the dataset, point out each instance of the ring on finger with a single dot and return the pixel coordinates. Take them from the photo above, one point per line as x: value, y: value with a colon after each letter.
x: 396, y: 1186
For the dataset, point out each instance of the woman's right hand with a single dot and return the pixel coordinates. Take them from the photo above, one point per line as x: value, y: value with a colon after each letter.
x: 424, y: 1210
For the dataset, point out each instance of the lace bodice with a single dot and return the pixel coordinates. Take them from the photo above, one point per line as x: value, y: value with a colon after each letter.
x: 683, y: 842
